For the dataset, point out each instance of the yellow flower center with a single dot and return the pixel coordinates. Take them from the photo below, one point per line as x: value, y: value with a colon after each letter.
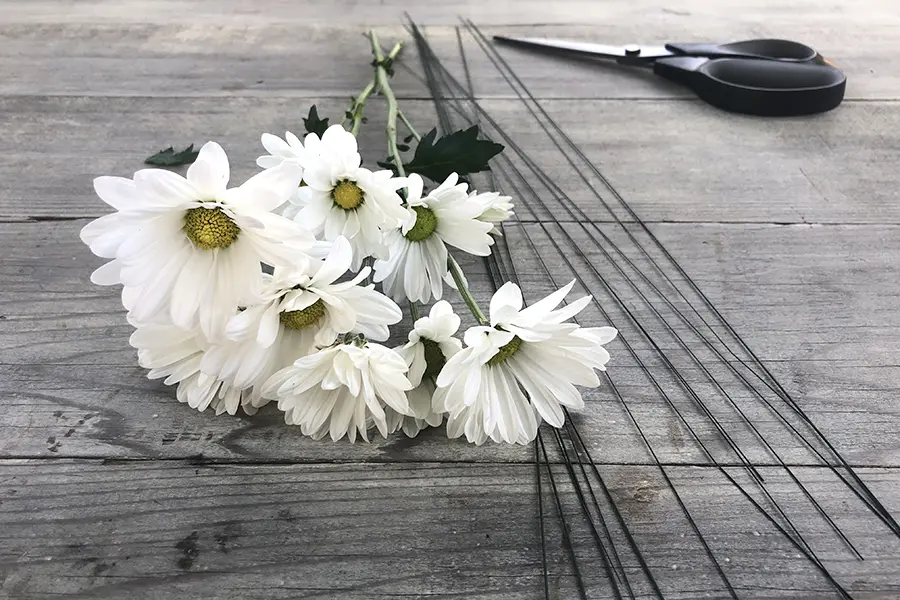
x: 426, y: 223
x: 347, y: 195
x: 210, y: 228
x: 434, y: 359
x: 506, y: 351
x: 301, y: 319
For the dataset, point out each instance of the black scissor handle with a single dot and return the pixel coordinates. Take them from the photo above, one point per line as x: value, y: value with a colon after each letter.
x: 758, y: 87
x: 771, y: 49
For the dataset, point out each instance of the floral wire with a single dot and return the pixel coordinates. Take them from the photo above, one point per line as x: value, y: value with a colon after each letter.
x: 444, y: 121
x: 679, y: 377
x: 818, y: 508
x: 540, y: 495
x: 681, y: 342
x: 618, y: 394
x: 494, y: 270
x: 770, y: 381
x: 567, y: 537
x: 756, y: 505
x: 759, y: 508
x: 609, y: 559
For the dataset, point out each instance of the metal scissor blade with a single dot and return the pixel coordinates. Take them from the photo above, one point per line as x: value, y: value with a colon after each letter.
x: 631, y: 52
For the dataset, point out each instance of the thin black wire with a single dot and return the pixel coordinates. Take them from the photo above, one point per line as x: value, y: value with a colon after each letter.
x: 662, y: 470
x: 632, y: 542
x: 806, y: 551
x: 751, y: 501
x: 805, y: 491
x: 445, y: 123
x: 610, y: 566
x: 540, y: 495
x: 718, y: 385
x: 491, y: 261
x: 559, y: 195
x: 638, y: 359
x: 570, y: 423
x: 496, y: 277
x: 684, y: 383
x: 567, y: 541
x: 715, y: 421
x: 802, y: 548
x: 872, y: 502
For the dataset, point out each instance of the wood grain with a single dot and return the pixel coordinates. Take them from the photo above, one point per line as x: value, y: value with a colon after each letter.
x: 246, y: 58
x: 88, y: 529
x: 69, y: 371
x: 834, y: 169
x: 109, y: 488
x: 626, y: 13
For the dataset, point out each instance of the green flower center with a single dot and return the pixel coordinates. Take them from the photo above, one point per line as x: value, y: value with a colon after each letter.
x: 426, y: 223
x: 347, y: 195
x: 434, y: 359
x: 301, y: 319
x: 506, y: 351
x: 210, y: 228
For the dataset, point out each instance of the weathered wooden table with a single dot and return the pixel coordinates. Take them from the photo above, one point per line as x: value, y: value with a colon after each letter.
x: 109, y: 488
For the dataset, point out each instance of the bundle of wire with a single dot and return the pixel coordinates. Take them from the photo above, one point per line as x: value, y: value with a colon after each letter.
x: 638, y: 285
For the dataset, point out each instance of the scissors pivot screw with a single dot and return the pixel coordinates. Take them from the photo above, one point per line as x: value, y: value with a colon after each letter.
x: 632, y: 50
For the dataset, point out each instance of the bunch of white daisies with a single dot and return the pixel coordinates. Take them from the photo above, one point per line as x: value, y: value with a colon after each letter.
x: 264, y: 291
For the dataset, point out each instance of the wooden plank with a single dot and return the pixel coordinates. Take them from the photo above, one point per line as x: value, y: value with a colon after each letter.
x: 388, y: 12
x: 153, y: 530
x: 666, y: 158
x: 95, y: 411
x: 824, y: 324
x: 284, y: 58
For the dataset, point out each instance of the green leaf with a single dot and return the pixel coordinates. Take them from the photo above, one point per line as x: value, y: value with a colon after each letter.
x: 402, y: 147
x: 170, y: 158
x: 313, y: 123
x: 408, y: 138
x: 460, y: 152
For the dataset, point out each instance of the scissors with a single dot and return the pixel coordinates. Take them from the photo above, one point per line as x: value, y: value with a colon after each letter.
x: 767, y: 77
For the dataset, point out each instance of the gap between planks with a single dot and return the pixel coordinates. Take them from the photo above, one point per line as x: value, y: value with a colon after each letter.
x: 202, y: 461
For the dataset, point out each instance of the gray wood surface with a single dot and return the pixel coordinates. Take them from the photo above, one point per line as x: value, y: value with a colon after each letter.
x: 109, y: 488
x: 156, y: 530
x: 789, y: 171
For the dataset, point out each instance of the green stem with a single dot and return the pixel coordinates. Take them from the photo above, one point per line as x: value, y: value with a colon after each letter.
x: 463, y: 289
x: 384, y: 86
x: 414, y: 310
x: 357, y: 106
x: 359, y: 103
x: 412, y: 130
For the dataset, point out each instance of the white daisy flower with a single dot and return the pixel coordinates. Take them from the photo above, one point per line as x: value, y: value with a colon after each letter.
x: 342, y: 390
x: 341, y: 198
x: 288, y: 150
x: 296, y: 312
x: 494, y: 208
x: 524, y: 351
x: 176, y: 354
x: 417, y: 266
x: 431, y: 343
x: 192, y: 245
